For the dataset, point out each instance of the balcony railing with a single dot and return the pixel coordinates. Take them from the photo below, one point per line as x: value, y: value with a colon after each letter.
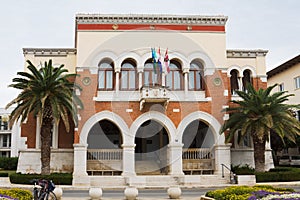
x: 104, y: 154
x: 196, y: 153
x: 154, y: 94
x: 197, y: 161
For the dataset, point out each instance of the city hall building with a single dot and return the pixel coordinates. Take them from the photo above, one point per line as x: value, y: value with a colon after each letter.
x: 153, y: 88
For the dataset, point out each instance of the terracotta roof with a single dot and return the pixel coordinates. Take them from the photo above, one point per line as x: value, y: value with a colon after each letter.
x: 288, y: 64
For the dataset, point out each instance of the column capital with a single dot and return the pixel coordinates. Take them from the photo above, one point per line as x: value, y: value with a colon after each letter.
x: 128, y: 145
x: 79, y: 145
x: 117, y: 69
x: 140, y: 69
x: 175, y: 145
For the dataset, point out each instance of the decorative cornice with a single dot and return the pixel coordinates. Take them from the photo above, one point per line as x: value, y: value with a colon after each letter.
x: 49, y: 51
x: 236, y: 53
x: 219, y: 20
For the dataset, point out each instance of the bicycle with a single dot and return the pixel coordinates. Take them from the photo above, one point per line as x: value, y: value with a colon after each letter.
x: 43, y: 190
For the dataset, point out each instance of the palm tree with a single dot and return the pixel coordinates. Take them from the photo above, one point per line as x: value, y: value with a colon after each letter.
x: 47, y: 93
x: 256, y: 114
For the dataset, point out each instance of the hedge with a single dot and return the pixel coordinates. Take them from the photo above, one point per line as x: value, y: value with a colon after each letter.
x: 15, y: 193
x: 57, y: 178
x: 281, y: 174
x: 3, y: 174
x: 9, y: 163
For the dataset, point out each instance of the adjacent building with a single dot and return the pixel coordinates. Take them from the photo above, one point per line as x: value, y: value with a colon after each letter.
x: 144, y: 123
x: 10, y: 140
x: 287, y: 78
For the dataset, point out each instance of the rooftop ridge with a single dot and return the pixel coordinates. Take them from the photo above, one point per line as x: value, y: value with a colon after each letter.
x: 217, y: 20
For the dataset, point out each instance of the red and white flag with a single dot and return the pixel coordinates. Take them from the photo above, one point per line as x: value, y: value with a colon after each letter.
x: 167, y: 62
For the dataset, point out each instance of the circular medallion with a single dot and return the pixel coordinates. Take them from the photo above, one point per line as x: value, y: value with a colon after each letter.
x: 86, y: 81
x: 217, y: 81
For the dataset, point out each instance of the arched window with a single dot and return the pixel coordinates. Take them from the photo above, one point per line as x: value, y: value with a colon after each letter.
x: 128, y: 75
x: 149, y: 78
x: 174, y: 80
x: 246, y: 79
x: 106, y: 75
x: 196, y: 81
x: 234, y: 83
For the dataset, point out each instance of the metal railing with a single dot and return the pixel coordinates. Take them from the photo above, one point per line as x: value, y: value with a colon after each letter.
x: 232, y: 175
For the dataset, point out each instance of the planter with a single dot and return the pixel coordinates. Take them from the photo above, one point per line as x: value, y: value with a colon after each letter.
x: 5, y: 182
x: 206, y: 198
x: 249, y: 180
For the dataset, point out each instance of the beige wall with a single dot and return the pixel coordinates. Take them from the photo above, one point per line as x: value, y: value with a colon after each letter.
x: 258, y: 63
x: 91, y: 43
x: 287, y: 77
x: 69, y: 61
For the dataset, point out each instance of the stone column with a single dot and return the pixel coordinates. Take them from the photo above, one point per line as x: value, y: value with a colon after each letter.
x: 128, y: 160
x: 163, y: 79
x: 140, y: 71
x: 222, y: 155
x: 240, y: 82
x: 80, y: 176
x: 175, y: 159
x: 186, y: 83
x: 117, y: 81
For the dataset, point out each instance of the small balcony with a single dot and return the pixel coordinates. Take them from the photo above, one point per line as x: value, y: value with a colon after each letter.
x: 154, y: 94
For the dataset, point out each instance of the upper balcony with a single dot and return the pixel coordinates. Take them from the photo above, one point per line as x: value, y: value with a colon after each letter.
x: 154, y: 94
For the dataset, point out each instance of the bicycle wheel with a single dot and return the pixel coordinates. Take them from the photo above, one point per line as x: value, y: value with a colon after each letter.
x: 50, y: 196
x: 35, y: 194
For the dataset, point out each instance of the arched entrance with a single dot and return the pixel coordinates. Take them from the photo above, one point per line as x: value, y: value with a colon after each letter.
x: 198, y: 140
x: 104, y: 153
x: 151, y: 149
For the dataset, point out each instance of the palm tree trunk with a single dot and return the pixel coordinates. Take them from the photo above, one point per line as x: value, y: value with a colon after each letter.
x: 46, y: 147
x: 259, y: 153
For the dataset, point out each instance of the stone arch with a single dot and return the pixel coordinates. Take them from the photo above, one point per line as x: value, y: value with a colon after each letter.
x: 158, y: 117
x: 212, y: 122
x: 250, y: 68
x: 116, y: 119
x: 129, y: 56
x: 208, y: 65
x: 234, y: 67
x: 98, y: 55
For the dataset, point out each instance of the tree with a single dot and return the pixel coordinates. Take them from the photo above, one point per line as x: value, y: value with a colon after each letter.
x: 47, y: 93
x: 256, y: 114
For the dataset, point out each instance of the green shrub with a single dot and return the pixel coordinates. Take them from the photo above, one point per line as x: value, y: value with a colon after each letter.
x: 57, y: 178
x: 9, y: 163
x: 280, y: 174
x: 243, y: 170
x: 17, y: 193
x: 3, y: 174
x: 241, y: 192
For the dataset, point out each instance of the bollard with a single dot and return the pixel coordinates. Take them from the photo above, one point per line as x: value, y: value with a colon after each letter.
x: 95, y: 193
x: 131, y: 193
x: 174, y: 192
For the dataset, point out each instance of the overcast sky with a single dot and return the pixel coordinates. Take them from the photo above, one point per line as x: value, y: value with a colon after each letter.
x: 253, y: 24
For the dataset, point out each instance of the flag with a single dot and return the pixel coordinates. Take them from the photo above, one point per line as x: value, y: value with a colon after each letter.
x: 154, y: 60
x: 159, y: 61
x: 167, y: 62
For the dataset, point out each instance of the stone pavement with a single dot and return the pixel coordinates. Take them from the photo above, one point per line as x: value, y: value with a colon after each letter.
x: 120, y: 195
